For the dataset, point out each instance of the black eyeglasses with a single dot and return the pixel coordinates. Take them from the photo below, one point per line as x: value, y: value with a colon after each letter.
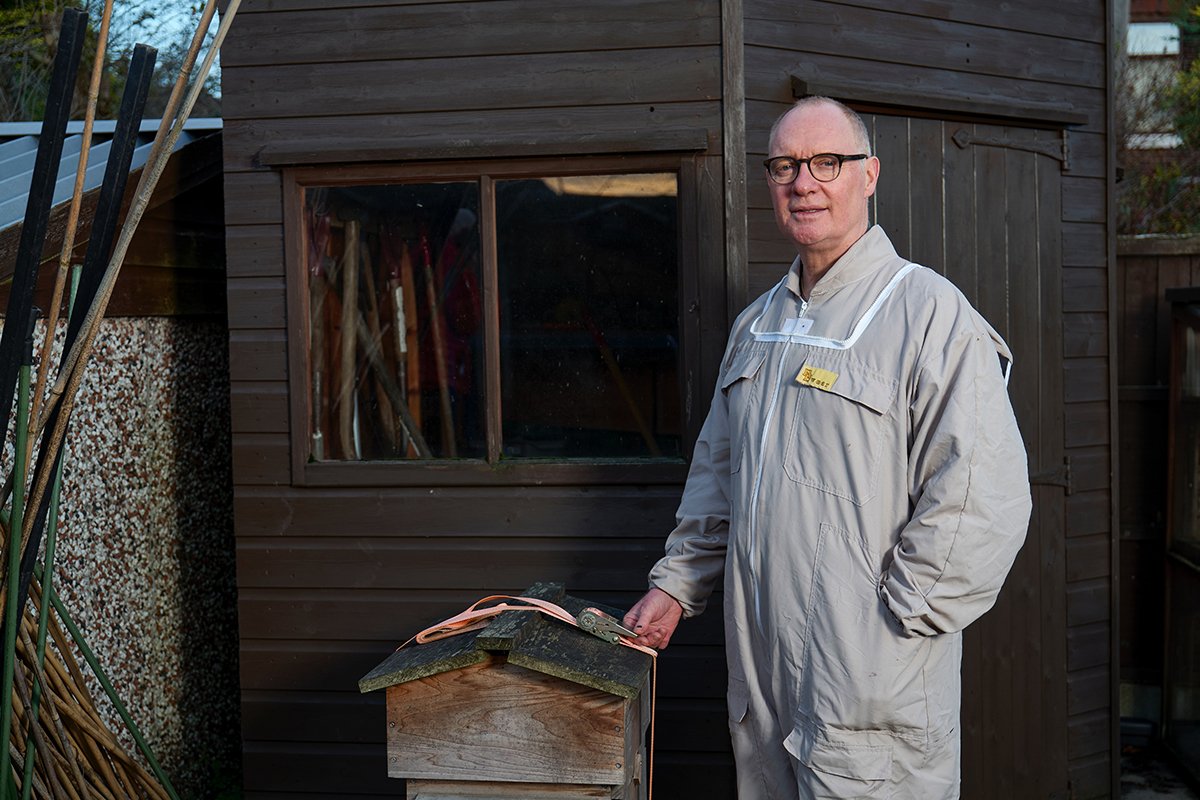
x: 825, y: 167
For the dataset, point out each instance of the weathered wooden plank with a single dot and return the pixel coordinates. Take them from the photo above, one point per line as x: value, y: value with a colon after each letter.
x: 257, y: 355
x: 941, y: 44
x: 1089, y: 733
x: 1086, y: 379
x: 1090, y: 469
x: 1084, y: 245
x: 1088, y: 513
x: 891, y: 202
x: 1166, y: 244
x: 259, y: 407
x: 256, y: 303
x: 1088, y: 557
x: 1085, y: 335
x: 568, y: 512
x: 254, y: 251
x: 538, y: 728
x: 333, y: 769
x: 252, y: 198
x: 332, y: 715
x: 467, y: 134
x: 1085, y: 424
x: 1083, y: 199
x: 1077, y: 19
x: 1088, y: 690
x: 1091, y: 777
x: 1138, y: 304
x: 430, y: 31
x: 1088, y: 646
x: 479, y: 790
x: 1088, y: 601
x: 1085, y: 289
x: 261, y: 458
x: 926, y: 200
x: 642, y: 76
x: 370, y: 561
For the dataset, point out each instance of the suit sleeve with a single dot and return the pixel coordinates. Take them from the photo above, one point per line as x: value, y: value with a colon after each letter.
x: 695, y: 550
x: 969, y: 485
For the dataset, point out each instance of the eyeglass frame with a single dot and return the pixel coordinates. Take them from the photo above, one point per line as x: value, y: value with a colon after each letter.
x: 806, y: 162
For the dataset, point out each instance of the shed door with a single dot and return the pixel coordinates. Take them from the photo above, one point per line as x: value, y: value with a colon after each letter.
x: 982, y: 205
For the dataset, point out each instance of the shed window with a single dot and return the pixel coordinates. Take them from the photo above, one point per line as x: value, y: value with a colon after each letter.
x: 492, y: 316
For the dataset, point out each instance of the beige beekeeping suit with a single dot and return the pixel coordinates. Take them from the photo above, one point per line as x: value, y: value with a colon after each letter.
x: 861, y: 483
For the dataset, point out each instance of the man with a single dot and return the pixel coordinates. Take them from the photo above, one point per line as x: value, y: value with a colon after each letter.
x: 860, y: 482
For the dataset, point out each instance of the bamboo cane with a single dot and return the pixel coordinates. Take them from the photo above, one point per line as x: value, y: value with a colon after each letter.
x: 375, y: 359
x: 449, y: 445
x: 35, y: 736
x: 346, y: 397
x: 64, y: 259
x: 38, y: 653
x: 102, y: 678
x: 387, y: 415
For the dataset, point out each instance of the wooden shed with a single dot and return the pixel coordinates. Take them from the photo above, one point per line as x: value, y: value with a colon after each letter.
x: 579, y: 185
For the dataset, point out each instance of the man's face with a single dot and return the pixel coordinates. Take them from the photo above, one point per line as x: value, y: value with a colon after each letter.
x: 822, y: 219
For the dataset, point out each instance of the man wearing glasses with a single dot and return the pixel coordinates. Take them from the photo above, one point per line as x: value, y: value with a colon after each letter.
x: 861, y: 485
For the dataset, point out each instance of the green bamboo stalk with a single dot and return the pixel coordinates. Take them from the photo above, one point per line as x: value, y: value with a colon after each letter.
x: 12, y: 607
x: 46, y: 577
x: 90, y: 658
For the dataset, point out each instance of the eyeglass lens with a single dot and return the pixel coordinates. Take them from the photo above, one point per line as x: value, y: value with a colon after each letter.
x: 823, y: 166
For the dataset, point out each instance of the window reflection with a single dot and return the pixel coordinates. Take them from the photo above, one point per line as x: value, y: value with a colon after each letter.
x: 395, y: 321
x: 587, y: 296
x: 589, y: 316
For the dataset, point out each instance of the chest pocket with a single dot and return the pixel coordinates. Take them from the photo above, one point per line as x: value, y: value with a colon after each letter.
x: 836, y: 435
x: 742, y: 388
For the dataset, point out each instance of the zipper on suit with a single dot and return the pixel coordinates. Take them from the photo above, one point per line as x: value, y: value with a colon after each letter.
x: 758, y: 472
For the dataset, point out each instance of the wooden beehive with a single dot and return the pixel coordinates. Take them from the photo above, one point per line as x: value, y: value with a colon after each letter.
x: 528, y: 707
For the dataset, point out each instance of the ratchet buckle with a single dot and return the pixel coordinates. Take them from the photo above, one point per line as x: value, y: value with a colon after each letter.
x: 605, y: 626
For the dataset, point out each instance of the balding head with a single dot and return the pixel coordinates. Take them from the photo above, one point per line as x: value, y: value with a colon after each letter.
x: 862, y: 138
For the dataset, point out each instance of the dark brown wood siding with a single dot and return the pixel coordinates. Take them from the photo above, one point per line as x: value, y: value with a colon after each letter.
x: 1017, y: 56
x: 332, y: 578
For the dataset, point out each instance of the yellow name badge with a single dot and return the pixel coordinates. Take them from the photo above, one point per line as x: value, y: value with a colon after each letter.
x: 816, y: 377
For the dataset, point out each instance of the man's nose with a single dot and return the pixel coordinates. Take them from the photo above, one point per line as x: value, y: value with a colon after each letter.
x: 805, y: 182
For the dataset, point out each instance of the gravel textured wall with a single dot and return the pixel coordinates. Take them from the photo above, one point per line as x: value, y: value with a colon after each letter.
x: 146, y: 558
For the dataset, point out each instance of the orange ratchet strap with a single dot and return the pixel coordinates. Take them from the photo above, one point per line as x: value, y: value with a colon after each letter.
x: 477, y: 616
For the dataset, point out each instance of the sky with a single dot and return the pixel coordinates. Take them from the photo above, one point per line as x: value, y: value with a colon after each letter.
x: 161, y: 24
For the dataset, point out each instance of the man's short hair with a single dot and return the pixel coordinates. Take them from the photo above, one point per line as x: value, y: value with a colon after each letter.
x: 861, y: 134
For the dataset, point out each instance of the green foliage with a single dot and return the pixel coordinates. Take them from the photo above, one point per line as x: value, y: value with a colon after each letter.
x: 29, y: 37
x: 1159, y: 190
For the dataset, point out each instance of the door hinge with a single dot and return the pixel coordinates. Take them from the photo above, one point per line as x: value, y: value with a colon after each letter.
x: 1054, y: 477
x: 1059, y: 151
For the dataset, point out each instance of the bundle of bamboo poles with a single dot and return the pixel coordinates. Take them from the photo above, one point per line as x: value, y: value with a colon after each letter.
x: 59, y: 747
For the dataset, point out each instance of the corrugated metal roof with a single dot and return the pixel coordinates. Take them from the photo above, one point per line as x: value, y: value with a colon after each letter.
x: 18, y: 151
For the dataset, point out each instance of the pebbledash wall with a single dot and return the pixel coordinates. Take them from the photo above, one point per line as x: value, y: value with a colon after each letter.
x: 145, y: 554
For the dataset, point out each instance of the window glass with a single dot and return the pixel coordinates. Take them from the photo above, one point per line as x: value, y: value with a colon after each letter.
x: 589, y: 316
x: 584, y: 282
x: 395, y: 321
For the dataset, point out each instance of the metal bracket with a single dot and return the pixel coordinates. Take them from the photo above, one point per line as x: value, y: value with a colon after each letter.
x: 1054, y: 477
x: 1060, y: 152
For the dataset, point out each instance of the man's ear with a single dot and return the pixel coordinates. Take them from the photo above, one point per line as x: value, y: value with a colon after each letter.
x: 872, y: 167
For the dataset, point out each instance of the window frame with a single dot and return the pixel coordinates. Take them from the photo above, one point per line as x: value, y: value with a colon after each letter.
x: 491, y: 470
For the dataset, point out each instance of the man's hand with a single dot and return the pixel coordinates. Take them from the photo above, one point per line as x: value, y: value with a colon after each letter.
x: 654, y: 618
